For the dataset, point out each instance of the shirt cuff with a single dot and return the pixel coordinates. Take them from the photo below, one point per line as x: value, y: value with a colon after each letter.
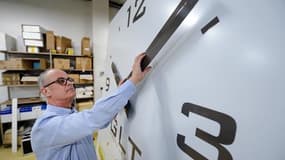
x: 128, y: 88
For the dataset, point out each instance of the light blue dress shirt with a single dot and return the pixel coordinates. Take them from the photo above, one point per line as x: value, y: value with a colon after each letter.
x: 65, y: 134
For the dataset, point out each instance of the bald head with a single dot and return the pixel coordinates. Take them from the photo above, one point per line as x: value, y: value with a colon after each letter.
x: 47, y: 75
x: 57, y: 88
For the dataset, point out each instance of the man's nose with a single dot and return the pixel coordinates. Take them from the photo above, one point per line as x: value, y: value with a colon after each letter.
x: 70, y: 83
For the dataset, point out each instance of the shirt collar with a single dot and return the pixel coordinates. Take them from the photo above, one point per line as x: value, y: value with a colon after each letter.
x: 60, y: 110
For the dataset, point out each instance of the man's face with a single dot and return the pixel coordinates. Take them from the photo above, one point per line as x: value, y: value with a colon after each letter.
x: 58, y: 87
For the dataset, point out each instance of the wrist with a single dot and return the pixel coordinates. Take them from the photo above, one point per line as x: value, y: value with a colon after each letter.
x: 134, y: 80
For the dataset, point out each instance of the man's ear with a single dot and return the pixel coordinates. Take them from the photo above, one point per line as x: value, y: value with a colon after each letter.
x: 45, y: 92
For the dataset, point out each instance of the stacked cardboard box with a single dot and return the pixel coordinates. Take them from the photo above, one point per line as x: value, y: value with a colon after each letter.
x: 62, y: 43
x: 86, y: 78
x: 11, y: 78
x: 85, y: 46
x: 84, y: 105
x: 61, y: 63
x: 33, y: 37
x: 75, y: 77
x: 50, y: 41
x: 83, y: 63
x: 24, y: 63
x: 7, y: 139
x: 26, y: 79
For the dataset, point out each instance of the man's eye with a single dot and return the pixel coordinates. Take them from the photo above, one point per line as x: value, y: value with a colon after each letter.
x: 61, y: 81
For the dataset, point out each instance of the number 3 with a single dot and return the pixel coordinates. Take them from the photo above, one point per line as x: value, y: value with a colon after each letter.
x: 226, y: 135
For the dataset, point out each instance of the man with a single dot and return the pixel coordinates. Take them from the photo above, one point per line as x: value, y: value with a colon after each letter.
x: 62, y: 133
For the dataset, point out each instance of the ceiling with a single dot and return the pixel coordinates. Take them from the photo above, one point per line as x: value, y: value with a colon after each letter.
x: 116, y: 3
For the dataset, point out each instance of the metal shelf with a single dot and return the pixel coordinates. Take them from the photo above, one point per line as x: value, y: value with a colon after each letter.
x: 26, y: 53
x: 83, y: 84
x: 42, y: 54
x: 67, y: 55
x: 20, y: 85
x: 81, y: 98
x: 24, y: 101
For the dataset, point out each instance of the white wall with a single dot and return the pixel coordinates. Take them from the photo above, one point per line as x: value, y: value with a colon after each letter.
x: 100, y: 35
x: 3, y: 89
x: 70, y: 18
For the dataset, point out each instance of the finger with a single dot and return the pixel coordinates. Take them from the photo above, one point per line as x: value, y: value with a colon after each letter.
x: 143, y: 53
x: 139, y: 57
x: 138, y: 60
x: 147, y: 69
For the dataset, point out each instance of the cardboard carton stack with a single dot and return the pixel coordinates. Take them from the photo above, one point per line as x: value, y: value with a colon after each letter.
x: 62, y: 43
x: 83, y: 63
x: 85, y: 46
x: 33, y: 37
x: 50, y: 41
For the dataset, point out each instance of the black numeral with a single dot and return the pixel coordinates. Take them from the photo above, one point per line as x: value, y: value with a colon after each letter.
x: 226, y: 135
x: 107, y: 84
x: 129, y: 15
x: 139, y: 12
x: 114, y: 127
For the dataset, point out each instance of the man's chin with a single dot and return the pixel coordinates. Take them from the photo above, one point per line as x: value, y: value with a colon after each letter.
x: 71, y: 97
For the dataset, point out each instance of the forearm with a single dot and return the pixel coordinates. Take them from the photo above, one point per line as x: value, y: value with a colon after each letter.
x: 78, y: 125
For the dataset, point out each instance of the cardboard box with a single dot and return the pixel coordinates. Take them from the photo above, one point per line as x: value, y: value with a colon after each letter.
x: 7, y: 138
x: 7, y: 42
x: 31, y: 112
x: 41, y: 63
x: 11, y: 78
x: 50, y: 40
x: 3, y: 64
x: 33, y: 43
x: 32, y: 49
x: 26, y: 63
x: 19, y: 63
x: 62, y: 43
x: 75, y: 77
x: 29, y: 79
x: 85, y: 46
x: 86, y: 78
x: 61, y: 63
x: 84, y: 105
x: 83, y: 63
x: 32, y: 28
x: 85, y: 81
x: 32, y: 35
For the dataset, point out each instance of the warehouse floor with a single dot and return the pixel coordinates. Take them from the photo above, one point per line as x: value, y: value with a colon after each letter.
x: 6, y: 153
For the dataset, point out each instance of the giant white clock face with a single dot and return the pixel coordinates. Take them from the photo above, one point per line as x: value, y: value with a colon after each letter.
x: 226, y: 83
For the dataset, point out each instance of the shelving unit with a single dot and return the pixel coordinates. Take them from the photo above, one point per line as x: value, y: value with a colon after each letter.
x: 35, y: 99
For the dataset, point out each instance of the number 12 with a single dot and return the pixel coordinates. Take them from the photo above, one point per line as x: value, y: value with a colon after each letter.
x: 139, y: 13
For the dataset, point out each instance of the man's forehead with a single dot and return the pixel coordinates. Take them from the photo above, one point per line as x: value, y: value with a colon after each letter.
x: 54, y: 74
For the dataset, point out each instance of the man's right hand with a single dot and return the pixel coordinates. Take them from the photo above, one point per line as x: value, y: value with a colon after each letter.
x: 137, y: 73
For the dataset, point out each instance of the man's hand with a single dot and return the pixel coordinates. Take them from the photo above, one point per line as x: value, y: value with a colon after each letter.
x: 137, y: 73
